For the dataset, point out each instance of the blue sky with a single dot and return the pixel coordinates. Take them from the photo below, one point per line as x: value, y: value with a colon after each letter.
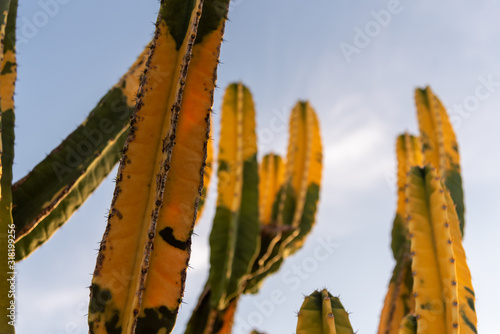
x: 284, y: 51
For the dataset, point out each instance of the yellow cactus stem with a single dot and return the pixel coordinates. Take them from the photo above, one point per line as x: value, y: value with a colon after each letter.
x: 408, y: 153
x: 302, y: 171
x: 398, y: 301
x: 294, y: 208
x: 139, y: 278
x: 271, y: 174
x: 435, y: 280
x: 439, y: 145
x: 234, y: 240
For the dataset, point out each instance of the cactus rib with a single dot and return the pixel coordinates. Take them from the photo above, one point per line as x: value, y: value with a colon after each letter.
x: 433, y: 260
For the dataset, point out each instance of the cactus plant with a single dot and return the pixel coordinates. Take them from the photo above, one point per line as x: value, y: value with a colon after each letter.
x: 265, y: 200
x: 166, y: 177
x: 294, y: 206
x: 234, y: 240
x: 444, y: 298
x: 439, y: 145
x: 264, y: 213
x: 399, y: 299
x: 321, y: 313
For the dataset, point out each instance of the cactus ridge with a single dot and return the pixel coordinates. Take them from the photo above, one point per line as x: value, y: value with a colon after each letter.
x: 433, y: 260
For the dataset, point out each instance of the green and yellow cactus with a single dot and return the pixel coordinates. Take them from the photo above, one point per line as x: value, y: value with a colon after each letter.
x: 234, y: 240
x: 255, y: 206
x: 160, y: 178
x: 439, y: 145
x: 294, y: 205
x: 418, y: 230
x: 444, y: 297
x: 264, y: 212
x: 399, y: 299
x: 321, y: 313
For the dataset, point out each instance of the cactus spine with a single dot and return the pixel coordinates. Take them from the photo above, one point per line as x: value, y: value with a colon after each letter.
x: 8, y: 75
x: 321, y: 313
x: 160, y: 176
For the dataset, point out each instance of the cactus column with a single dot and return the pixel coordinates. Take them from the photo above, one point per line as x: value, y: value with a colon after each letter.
x: 141, y: 268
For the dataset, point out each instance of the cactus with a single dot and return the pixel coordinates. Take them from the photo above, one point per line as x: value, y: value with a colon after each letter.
x: 220, y: 295
x: 234, y: 240
x: 8, y: 74
x: 444, y: 298
x: 408, y: 154
x: 160, y: 177
x: 271, y: 174
x: 439, y: 145
x: 69, y: 177
x: 263, y: 215
x: 295, y: 204
x: 74, y: 169
x: 398, y: 301
x: 321, y: 313
x: 236, y: 224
